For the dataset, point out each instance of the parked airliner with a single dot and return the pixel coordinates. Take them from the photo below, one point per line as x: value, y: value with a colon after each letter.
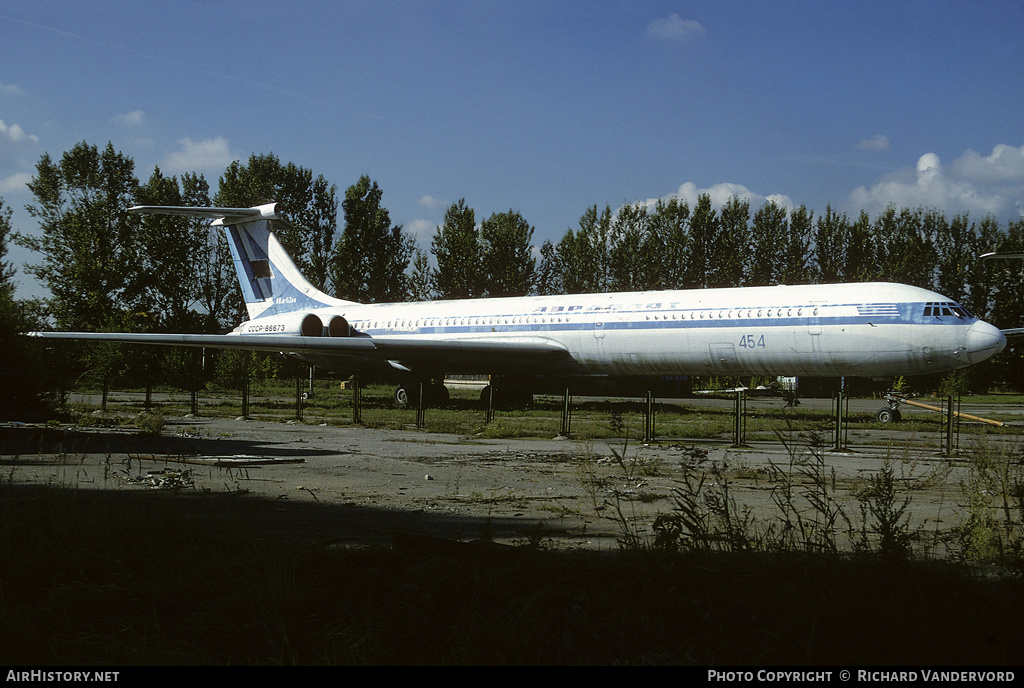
x: 871, y: 329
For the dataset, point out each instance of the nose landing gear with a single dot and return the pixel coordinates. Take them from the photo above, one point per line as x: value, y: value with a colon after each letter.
x: 888, y: 414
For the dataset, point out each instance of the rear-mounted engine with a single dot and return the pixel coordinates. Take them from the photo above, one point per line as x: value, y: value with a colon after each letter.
x: 305, y: 325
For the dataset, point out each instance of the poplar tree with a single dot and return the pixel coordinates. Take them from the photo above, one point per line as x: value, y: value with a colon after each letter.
x: 795, y: 254
x: 371, y: 256
x: 704, y: 229
x: 732, y: 245
x: 769, y: 233
x: 581, y: 257
x: 456, y: 248
x: 670, y: 223
x: 632, y: 257
x: 831, y: 245
x: 506, y: 251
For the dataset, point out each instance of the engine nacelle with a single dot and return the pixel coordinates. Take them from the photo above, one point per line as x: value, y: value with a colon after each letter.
x: 303, y: 324
x: 339, y: 327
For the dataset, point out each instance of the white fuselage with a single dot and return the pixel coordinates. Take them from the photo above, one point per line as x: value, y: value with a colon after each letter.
x: 873, y: 329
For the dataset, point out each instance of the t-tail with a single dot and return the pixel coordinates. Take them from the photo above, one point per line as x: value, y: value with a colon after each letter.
x: 270, y: 281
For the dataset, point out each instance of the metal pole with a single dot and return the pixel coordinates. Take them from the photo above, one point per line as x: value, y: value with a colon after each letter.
x: 648, y: 416
x: 419, y: 407
x: 245, y: 390
x: 739, y: 431
x: 566, y: 413
x: 958, y: 417
x: 949, y: 424
x: 846, y: 426
x: 357, y: 402
x: 837, y: 445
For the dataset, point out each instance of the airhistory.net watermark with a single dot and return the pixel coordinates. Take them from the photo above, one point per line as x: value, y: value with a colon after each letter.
x: 49, y: 676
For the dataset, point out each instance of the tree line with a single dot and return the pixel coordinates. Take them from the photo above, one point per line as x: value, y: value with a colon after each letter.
x: 108, y: 269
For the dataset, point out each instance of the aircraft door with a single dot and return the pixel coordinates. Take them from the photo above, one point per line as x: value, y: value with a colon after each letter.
x: 599, y: 329
x: 723, y: 357
x: 814, y: 327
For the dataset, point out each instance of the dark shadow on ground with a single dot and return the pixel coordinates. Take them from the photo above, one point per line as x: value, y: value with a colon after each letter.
x: 319, y: 523
x: 35, y: 440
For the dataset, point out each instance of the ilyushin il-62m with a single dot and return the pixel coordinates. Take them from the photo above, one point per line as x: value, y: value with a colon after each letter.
x: 869, y: 329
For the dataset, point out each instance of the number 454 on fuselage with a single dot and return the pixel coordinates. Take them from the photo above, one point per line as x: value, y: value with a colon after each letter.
x: 868, y: 329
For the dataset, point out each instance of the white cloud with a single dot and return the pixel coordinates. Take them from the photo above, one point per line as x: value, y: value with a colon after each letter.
x: 429, y: 201
x: 878, y: 142
x: 15, y: 133
x: 130, y: 119
x: 16, y: 183
x: 11, y: 90
x: 421, y: 230
x: 1006, y: 164
x: 975, y: 184
x: 208, y: 154
x: 675, y: 28
x: 721, y: 194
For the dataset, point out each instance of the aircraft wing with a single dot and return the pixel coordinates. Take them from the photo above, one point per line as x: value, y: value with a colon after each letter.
x: 405, y: 351
x: 1014, y: 335
x: 997, y: 255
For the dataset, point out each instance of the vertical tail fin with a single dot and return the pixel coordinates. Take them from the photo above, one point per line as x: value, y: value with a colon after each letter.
x: 271, y: 283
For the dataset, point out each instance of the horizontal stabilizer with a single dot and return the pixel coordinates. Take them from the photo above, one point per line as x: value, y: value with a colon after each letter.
x: 223, y: 216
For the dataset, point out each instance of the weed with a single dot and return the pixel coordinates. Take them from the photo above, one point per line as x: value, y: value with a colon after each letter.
x: 635, y: 466
x: 616, y: 423
x: 809, y: 515
x: 888, y: 522
x: 150, y: 422
x: 994, y: 484
x: 705, y: 520
x: 452, y: 484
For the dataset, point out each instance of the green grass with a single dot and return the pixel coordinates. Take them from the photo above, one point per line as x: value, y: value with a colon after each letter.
x: 681, y: 420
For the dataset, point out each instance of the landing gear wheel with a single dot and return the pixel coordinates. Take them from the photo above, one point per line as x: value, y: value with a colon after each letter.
x: 888, y: 415
x: 436, y: 394
x: 406, y: 396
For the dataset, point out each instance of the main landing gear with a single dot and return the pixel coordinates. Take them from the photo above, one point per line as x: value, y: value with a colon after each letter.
x: 407, y: 395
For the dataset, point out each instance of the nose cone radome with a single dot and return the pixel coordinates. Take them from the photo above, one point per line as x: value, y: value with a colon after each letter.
x: 983, y: 341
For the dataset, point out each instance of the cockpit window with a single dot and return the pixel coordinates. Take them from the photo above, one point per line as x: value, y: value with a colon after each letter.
x: 946, y: 308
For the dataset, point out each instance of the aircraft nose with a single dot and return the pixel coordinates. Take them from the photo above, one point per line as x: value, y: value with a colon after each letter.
x: 983, y: 341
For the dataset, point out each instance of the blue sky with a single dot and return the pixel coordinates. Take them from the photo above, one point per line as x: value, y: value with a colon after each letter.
x: 544, y: 107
